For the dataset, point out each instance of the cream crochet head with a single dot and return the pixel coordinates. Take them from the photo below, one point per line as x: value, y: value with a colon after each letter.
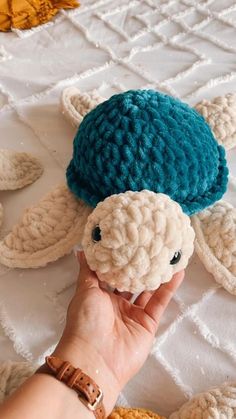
x: 136, y: 241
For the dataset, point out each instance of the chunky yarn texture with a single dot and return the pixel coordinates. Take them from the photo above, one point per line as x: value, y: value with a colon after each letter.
x: 46, y: 231
x: 75, y: 105
x: 18, y: 169
x: 140, y: 232
x: 144, y: 139
x: 215, y: 242
x: 220, y: 113
x: 218, y: 403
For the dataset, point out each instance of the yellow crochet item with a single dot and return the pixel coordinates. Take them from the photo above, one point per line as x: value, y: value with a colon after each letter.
x: 124, y: 413
x: 23, y: 14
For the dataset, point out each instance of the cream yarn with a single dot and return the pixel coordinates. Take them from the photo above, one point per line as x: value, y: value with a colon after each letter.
x: 220, y: 113
x: 218, y: 403
x: 75, y: 105
x: 12, y: 375
x: 140, y: 233
x: 46, y: 231
x: 18, y: 169
x: 215, y: 242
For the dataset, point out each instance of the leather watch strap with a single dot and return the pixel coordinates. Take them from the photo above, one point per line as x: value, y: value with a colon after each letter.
x: 88, y: 391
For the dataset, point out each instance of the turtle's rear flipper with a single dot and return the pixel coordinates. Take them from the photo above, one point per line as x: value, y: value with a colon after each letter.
x: 215, y: 242
x: 75, y: 105
x: 220, y: 113
x: 46, y: 232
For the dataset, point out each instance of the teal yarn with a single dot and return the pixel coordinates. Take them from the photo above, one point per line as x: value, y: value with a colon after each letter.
x: 143, y: 139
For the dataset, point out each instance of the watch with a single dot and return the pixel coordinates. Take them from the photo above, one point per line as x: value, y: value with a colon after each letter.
x: 89, y: 393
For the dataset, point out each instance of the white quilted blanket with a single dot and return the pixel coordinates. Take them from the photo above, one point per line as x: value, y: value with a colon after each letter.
x: 184, y: 47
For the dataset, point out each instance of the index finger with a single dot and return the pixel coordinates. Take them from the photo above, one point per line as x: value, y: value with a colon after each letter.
x: 161, y: 298
x: 87, y: 278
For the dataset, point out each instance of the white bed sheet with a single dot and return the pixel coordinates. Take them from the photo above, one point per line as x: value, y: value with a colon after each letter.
x: 185, y: 48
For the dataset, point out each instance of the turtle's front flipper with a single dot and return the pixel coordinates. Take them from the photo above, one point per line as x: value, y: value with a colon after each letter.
x: 75, y: 105
x: 220, y: 113
x: 46, y: 231
x: 215, y: 242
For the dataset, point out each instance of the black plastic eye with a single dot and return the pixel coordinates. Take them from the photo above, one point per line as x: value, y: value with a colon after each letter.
x: 96, y: 234
x: 176, y: 258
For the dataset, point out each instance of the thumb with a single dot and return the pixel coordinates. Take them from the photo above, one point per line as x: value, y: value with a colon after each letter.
x: 87, y: 278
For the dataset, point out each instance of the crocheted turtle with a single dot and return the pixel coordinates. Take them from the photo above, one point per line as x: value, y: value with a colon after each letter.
x: 143, y: 139
x: 138, y: 158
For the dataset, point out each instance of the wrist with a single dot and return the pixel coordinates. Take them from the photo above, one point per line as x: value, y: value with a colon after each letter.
x: 84, y: 356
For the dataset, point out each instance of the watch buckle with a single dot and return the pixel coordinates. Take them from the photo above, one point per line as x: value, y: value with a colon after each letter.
x: 92, y: 406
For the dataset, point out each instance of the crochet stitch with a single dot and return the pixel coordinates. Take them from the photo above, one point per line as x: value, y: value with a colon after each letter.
x: 46, y: 232
x: 215, y: 242
x: 218, y: 403
x: 75, y: 105
x: 128, y: 413
x: 18, y: 169
x: 24, y: 14
x: 136, y: 241
x: 220, y: 113
x: 143, y: 139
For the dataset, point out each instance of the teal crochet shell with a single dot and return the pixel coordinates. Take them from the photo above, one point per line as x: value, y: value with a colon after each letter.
x: 143, y: 139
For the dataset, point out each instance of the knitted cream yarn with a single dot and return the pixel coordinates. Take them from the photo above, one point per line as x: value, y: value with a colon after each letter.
x: 220, y: 113
x: 215, y: 242
x: 12, y: 375
x: 128, y: 413
x: 46, y: 231
x: 23, y: 14
x: 218, y: 403
x: 137, y: 240
x: 75, y: 105
x: 18, y: 169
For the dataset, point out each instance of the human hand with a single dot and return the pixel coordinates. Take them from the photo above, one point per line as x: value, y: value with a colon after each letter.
x: 106, y: 335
